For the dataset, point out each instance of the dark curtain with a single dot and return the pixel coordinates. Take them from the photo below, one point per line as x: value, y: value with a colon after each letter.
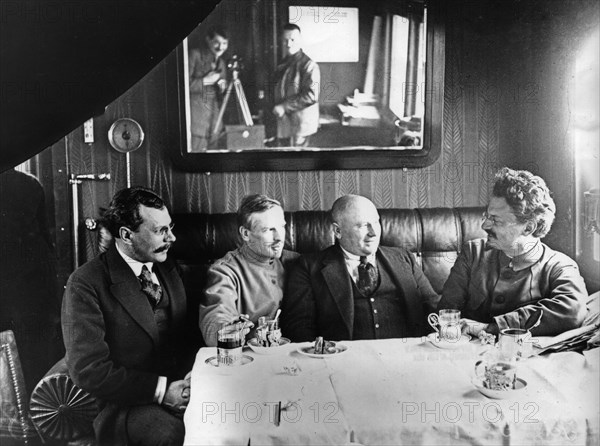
x: 62, y: 62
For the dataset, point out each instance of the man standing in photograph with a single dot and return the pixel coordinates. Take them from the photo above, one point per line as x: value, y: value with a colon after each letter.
x: 296, y: 92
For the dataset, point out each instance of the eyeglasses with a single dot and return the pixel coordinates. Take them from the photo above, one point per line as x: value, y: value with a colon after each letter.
x: 485, y: 217
x: 162, y: 232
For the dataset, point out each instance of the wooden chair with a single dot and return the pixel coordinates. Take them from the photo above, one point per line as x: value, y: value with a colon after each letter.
x: 16, y: 427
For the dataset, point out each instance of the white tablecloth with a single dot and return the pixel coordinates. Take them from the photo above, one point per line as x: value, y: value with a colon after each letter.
x: 397, y: 391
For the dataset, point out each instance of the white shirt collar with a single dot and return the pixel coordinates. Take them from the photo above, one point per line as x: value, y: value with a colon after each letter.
x: 354, y: 258
x: 352, y: 261
x: 135, y: 266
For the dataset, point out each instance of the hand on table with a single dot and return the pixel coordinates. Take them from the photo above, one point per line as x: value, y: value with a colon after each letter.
x: 473, y: 328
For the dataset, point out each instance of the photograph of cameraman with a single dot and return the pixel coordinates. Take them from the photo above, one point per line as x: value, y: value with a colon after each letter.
x: 208, y: 80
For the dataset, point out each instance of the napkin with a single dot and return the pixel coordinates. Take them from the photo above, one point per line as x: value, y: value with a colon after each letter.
x: 565, y: 341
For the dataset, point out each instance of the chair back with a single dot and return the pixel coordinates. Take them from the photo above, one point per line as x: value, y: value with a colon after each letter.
x: 15, y: 425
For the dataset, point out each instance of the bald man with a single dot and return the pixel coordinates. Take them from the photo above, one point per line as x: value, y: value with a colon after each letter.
x: 356, y: 289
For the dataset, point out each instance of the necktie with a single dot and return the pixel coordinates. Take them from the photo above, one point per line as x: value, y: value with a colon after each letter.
x: 152, y: 290
x: 367, y: 277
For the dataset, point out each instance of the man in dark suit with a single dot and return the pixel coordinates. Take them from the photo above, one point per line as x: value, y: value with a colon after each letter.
x: 356, y: 289
x: 123, y: 320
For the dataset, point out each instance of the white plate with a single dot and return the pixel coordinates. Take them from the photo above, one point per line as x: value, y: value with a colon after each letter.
x: 253, y: 344
x: 213, y: 360
x: 500, y: 394
x: 308, y: 350
x: 434, y: 339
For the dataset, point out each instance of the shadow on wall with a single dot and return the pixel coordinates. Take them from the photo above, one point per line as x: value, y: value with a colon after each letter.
x: 28, y: 296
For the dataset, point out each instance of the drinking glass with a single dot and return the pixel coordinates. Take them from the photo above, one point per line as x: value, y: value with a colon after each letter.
x: 273, y: 332
x: 447, y: 324
x: 515, y: 344
x: 230, y: 340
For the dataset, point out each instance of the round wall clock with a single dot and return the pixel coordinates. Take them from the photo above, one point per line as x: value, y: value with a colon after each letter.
x: 125, y: 135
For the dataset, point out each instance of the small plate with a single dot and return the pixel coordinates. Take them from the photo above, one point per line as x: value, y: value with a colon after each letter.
x: 309, y: 350
x: 253, y: 344
x: 500, y: 394
x: 434, y: 339
x: 215, y: 362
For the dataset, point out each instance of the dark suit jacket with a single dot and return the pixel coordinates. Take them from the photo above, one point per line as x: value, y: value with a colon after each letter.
x: 111, y: 336
x: 319, y: 300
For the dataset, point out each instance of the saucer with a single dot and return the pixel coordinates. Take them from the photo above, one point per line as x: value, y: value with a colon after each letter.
x: 434, y: 339
x: 309, y: 350
x: 213, y: 360
x: 500, y: 394
x: 253, y: 344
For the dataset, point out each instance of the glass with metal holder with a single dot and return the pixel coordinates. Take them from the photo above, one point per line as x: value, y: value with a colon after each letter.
x: 230, y: 341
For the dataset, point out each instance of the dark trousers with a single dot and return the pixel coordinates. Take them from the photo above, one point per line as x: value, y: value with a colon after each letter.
x: 152, y: 425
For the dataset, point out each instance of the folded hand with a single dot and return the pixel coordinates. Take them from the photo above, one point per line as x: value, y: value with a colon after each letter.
x: 471, y: 327
x: 177, y: 396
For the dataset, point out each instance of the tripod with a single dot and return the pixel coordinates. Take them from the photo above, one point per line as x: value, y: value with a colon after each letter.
x: 242, y: 103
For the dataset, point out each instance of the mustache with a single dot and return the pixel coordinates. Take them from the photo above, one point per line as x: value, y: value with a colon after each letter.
x: 163, y: 248
x: 492, y: 233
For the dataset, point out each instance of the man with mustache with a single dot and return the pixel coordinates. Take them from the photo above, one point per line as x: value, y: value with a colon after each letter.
x: 248, y: 280
x: 500, y: 282
x: 123, y: 321
x: 356, y: 289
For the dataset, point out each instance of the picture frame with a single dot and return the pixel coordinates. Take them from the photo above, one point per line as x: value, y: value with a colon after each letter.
x: 346, y: 156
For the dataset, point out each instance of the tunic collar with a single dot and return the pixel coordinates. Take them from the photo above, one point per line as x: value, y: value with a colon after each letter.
x: 253, y: 257
x: 527, y: 259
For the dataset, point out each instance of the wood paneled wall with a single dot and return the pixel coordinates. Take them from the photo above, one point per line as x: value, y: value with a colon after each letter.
x: 504, y: 104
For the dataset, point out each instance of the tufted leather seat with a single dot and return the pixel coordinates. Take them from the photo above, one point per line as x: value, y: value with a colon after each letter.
x: 434, y: 236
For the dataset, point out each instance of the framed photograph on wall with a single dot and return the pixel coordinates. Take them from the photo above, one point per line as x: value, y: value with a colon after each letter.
x: 379, y: 95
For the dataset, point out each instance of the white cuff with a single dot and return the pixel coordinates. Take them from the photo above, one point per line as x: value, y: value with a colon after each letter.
x: 161, y: 389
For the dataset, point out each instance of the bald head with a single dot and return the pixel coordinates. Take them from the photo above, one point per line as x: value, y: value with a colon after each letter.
x: 356, y: 224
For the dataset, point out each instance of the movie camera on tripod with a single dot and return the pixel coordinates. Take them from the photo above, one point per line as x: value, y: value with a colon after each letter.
x: 246, y: 135
x: 234, y: 65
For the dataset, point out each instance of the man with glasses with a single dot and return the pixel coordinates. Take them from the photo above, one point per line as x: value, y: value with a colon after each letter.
x: 123, y: 321
x: 500, y: 282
